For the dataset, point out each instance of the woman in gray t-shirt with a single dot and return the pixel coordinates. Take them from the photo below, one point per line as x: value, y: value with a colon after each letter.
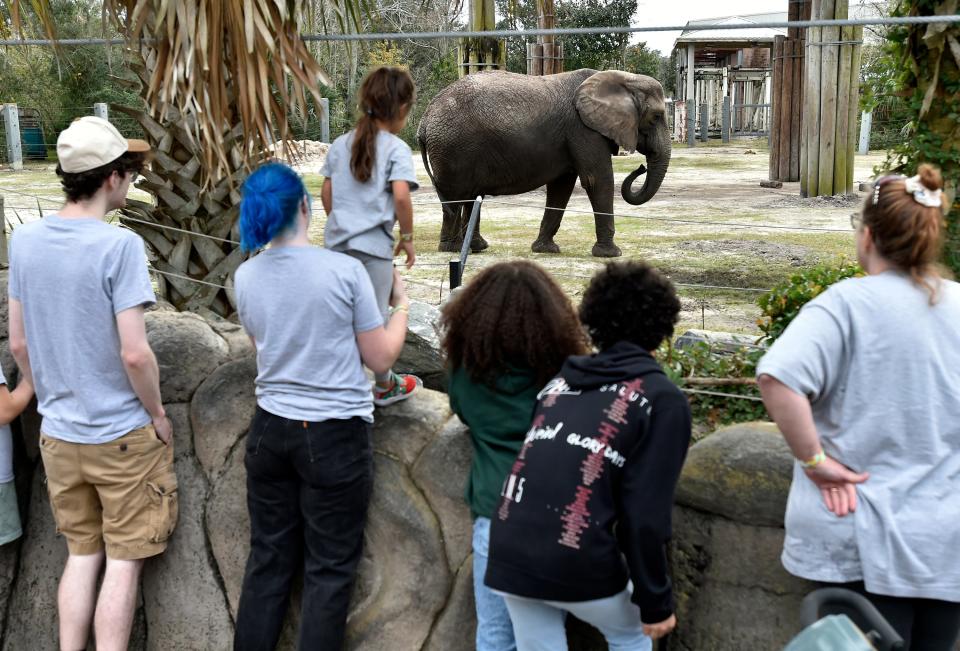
x: 863, y: 384
x: 314, y: 321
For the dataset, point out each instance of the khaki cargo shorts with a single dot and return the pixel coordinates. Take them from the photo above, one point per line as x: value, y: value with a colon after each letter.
x: 121, y: 495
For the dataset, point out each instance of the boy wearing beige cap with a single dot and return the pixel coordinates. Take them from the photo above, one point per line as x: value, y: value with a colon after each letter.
x: 78, y: 288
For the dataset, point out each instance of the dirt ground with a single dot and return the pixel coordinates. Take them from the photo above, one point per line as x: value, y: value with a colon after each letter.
x: 711, y: 225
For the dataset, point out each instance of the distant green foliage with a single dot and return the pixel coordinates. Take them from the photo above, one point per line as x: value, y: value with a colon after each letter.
x: 928, y: 78
x: 782, y: 304
x: 597, y: 51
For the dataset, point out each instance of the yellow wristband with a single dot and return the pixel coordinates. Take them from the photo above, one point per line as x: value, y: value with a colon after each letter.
x: 815, y: 460
x: 400, y: 308
x: 406, y: 237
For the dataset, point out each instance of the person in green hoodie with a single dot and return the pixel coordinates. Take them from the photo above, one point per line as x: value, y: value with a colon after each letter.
x: 505, y: 335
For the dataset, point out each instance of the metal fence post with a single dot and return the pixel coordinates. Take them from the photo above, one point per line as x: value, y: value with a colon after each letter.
x: 866, y: 123
x: 4, y: 262
x: 704, y: 121
x: 324, y: 120
x: 456, y: 274
x: 101, y: 111
x: 11, y: 121
x: 691, y: 123
x: 725, y: 121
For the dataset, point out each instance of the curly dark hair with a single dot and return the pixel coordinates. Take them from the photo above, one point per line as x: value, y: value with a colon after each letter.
x: 82, y: 185
x: 629, y: 301
x: 511, y: 315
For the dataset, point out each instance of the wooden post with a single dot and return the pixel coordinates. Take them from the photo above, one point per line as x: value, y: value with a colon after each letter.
x: 11, y: 123
x: 776, y: 62
x: 548, y: 58
x: 854, y: 100
x: 796, y: 111
x: 530, y: 59
x: 840, y: 154
x: 474, y: 60
x: 810, y: 174
x: 828, y: 99
x: 725, y: 121
x: 786, y: 102
x: 704, y: 121
x: 538, y: 59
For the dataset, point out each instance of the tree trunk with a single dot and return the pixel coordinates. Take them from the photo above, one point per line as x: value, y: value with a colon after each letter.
x: 174, y: 178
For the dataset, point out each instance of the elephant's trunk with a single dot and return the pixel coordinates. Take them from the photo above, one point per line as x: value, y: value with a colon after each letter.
x: 658, y: 160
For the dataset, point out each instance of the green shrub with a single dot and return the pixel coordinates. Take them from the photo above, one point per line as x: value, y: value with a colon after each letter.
x: 782, y: 304
x: 701, y: 361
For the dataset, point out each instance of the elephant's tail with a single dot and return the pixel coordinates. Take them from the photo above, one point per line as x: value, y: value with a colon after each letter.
x: 426, y: 162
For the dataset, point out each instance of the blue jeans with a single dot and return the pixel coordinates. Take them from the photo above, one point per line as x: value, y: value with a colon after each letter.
x: 539, y: 625
x: 494, y: 629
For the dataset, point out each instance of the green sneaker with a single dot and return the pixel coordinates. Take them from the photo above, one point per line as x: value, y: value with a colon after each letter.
x: 404, y: 386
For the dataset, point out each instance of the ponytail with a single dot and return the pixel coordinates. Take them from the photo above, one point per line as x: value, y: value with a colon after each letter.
x: 271, y: 196
x: 384, y: 94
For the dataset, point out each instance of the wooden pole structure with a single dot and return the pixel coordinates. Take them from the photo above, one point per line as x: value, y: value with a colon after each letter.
x: 785, y: 99
x: 4, y: 262
x: 840, y: 155
x: 796, y: 124
x: 810, y: 174
x: 828, y: 99
x: 776, y: 60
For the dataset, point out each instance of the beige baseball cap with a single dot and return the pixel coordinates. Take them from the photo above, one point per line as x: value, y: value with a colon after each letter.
x: 91, y: 142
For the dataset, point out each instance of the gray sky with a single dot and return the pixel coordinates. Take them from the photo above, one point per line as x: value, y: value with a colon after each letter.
x: 678, y: 12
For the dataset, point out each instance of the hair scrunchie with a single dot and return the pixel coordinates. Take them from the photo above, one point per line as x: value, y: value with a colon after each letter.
x: 922, y: 194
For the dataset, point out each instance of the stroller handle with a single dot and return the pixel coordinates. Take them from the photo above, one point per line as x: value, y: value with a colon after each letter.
x: 827, y: 601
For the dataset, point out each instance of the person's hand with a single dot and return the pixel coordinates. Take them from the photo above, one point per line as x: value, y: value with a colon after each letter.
x: 407, y: 247
x: 837, y: 484
x: 656, y: 631
x: 398, y: 296
x: 164, y: 429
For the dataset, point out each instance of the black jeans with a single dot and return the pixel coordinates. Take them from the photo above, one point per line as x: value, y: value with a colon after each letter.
x: 924, y: 624
x: 308, y: 487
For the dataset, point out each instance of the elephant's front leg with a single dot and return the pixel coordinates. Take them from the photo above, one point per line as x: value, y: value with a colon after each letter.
x: 600, y: 190
x: 558, y: 194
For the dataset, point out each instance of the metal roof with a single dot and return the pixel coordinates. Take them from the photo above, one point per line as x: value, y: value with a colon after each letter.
x: 739, y: 29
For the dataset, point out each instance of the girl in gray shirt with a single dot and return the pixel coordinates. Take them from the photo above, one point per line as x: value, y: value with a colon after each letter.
x: 369, y: 176
x: 863, y: 384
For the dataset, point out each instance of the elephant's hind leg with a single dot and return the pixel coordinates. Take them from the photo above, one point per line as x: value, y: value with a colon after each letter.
x: 450, y: 228
x: 558, y: 195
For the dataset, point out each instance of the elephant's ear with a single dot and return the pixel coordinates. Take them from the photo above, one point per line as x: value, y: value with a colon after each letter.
x: 606, y: 105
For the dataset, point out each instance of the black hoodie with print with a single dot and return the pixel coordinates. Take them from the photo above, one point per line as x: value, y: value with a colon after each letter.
x: 588, y: 503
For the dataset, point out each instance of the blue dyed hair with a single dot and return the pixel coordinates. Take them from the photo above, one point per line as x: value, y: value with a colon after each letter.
x: 271, y: 197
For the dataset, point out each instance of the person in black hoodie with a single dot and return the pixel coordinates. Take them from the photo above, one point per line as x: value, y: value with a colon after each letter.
x: 585, y: 513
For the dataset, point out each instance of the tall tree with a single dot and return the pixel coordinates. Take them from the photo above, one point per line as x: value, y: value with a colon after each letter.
x: 928, y: 60
x: 219, y: 80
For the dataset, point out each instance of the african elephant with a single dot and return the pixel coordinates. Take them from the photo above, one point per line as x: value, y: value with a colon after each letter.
x: 501, y: 133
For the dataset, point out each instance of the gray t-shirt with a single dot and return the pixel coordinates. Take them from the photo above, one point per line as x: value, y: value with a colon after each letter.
x: 881, y: 368
x: 363, y: 215
x: 304, y: 307
x: 6, y: 447
x: 73, y: 276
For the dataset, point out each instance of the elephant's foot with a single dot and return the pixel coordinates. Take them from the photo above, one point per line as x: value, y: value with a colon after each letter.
x: 545, y: 246
x: 449, y: 245
x: 478, y: 244
x: 606, y: 250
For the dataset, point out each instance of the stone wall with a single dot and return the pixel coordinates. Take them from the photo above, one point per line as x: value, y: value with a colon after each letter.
x: 414, y: 590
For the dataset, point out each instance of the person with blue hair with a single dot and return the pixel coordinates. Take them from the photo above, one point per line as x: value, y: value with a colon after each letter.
x: 313, y: 318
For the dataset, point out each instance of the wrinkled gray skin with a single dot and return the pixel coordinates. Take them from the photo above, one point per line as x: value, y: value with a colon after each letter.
x: 501, y: 133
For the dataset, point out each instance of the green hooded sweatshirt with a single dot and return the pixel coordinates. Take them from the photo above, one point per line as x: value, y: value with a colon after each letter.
x: 498, y: 418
